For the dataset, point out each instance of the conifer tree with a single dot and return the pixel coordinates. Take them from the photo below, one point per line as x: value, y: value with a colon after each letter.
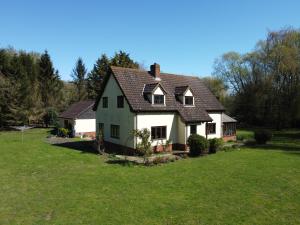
x: 78, y: 75
x: 96, y: 76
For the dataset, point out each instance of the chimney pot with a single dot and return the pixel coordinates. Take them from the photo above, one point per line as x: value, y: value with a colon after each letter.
x: 155, y: 70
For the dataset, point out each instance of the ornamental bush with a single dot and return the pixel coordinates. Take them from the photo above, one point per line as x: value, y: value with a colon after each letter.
x: 63, y: 132
x: 215, y: 145
x: 262, y: 136
x: 198, y: 145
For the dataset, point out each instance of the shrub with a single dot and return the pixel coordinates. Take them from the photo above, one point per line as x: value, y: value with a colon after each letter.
x: 215, y: 145
x: 198, y: 145
x: 144, y: 146
x: 63, y: 132
x: 262, y: 136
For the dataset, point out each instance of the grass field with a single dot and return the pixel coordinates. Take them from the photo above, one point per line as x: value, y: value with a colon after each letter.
x: 45, y: 184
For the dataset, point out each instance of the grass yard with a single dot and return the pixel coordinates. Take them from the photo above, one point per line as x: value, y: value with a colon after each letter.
x: 45, y: 184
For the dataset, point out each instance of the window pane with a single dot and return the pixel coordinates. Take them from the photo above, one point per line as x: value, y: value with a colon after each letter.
x: 188, y: 100
x: 120, y: 101
x: 158, y: 99
x: 211, y: 128
x: 159, y: 132
x: 104, y: 102
x: 115, y: 131
x: 193, y: 129
x: 163, y: 132
x: 153, y: 132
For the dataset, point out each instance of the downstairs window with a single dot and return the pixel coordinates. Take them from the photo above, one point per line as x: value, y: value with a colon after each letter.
x: 210, y: 128
x: 159, y: 132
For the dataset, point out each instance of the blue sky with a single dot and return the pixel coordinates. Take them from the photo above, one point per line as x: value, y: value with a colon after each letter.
x: 182, y: 36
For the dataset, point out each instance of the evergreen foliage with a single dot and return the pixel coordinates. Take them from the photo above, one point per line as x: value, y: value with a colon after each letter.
x: 101, y: 69
x: 79, y: 78
x: 32, y: 92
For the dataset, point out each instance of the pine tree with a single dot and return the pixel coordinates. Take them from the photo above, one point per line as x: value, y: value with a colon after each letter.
x: 96, y: 76
x: 101, y: 69
x: 78, y: 75
x: 122, y: 59
x: 46, y: 78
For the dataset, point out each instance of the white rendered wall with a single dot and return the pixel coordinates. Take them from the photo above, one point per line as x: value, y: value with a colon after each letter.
x: 217, y: 118
x: 201, y: 128
x: 188, y: 93
x: 158, y: 91
x: 148, y: 120
x: 116, y: 116
x: 84, y: 125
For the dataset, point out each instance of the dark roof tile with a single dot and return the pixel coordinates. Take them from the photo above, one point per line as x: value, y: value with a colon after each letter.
x: 77, y: 109
x: 133, y: 81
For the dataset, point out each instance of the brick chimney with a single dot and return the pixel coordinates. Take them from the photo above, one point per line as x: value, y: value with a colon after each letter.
x: 155, y: 71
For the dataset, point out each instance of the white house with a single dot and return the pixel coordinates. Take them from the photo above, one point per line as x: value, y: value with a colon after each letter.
x: 80, y: 118
x: 171, y: 106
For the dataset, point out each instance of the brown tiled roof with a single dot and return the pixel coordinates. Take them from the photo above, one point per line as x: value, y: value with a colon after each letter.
x: 179, y: 90
x: 132, y: 82
x: 149, y: 87
x: 78, y: 109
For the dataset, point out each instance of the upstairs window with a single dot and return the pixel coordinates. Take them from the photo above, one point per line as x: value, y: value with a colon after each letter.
x: 210, y: 128
x: 120, y: 101
x: 189, y: 100
x: 159, y: 99
x: 104, y: 102
x: 159, y: 132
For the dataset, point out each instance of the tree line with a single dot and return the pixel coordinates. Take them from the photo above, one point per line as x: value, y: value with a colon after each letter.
x: 32, y: 91
x: 259, y: 88
x: 263, y: 86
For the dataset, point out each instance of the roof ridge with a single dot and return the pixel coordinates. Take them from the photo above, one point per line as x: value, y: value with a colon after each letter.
x: 162, y: 73
x: 127, y: 68
x: 83, y: 111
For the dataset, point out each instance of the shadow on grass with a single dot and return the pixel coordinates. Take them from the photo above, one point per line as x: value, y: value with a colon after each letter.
x: 82, y: 146
x: 287, y: 149
x: 121, y: 162
x: 287, y: 135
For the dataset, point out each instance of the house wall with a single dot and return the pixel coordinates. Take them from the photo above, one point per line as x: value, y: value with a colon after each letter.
x: 84, y: 126
x: 181, y: 135
x: 116, y: 116
x: 217, y: 118
x: 201, y: 128
x: 148, y: 120
x: 70, y: 121
x: 158, y: 91
x: 188, y: 93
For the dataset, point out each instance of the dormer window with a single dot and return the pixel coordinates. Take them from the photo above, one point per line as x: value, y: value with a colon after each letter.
x: 189, y: 100
x: 184, y: 94
x: 159, y: 99
x: 155, y: 93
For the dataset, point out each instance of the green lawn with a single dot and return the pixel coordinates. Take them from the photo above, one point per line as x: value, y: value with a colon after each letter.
x: 44, y: 184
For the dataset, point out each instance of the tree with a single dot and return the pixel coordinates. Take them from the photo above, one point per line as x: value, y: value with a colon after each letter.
x: 78, y: 75
x: 29, y: 86
x: 101, y: 69
x: 265, y: 83
x: 217, y: 87
x: 122, y: 59
x: 96, y: 76
x: 49, y: 80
